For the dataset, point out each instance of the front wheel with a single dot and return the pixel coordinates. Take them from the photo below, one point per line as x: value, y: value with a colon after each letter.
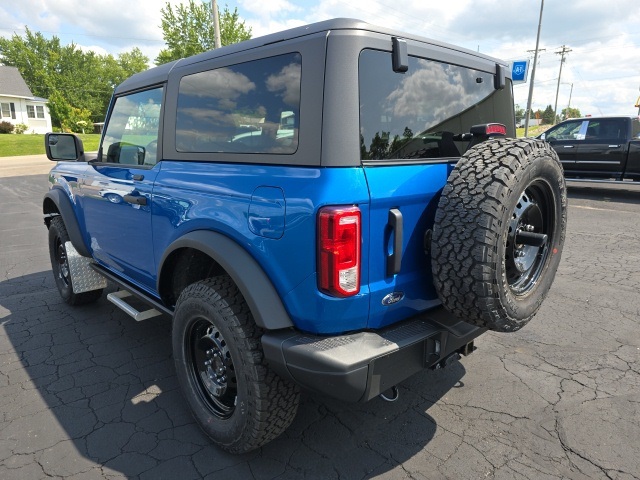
x: 236, y: 399
x: 499, y: 232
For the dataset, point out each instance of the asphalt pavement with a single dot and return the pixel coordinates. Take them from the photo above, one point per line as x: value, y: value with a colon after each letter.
x: 88, y: 393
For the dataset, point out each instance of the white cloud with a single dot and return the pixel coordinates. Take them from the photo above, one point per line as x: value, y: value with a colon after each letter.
x: 604, y: 65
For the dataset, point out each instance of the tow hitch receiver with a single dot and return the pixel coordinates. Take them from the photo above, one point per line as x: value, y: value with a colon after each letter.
x: 448, y: 360
x: 468, y: 349
x: 465, y: 350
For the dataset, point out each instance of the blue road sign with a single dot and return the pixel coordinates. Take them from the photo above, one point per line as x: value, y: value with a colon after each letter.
x: 519, y: 70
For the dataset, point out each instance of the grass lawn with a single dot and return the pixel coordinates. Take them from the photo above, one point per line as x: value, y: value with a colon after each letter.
x: 534, y: 130
x: 26, y: 144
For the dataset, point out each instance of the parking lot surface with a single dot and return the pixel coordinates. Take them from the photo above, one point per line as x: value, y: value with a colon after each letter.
x: 89, y: 393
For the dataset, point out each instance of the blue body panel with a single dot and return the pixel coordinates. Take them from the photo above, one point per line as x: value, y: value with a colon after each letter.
x: 270, y: 211
x: 192, y: 196
x: 414, y: 190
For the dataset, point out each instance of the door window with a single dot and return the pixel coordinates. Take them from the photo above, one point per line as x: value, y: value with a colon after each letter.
x: 131, y: 136
x: 574, y: 130
x: 606, y: 130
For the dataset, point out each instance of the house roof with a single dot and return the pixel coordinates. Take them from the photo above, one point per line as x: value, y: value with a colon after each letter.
x: 12, y: 83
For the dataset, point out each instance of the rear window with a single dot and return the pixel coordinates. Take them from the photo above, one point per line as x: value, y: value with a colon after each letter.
x: 253, y: 107
x: 417, y: 114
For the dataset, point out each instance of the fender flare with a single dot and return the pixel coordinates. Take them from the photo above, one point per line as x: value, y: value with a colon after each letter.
x: 256, y: 288
x: 63, y: 204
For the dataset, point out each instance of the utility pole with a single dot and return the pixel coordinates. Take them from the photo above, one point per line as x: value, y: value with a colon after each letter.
x: 533, y: 74
x: 562, y: 52
x: 569, y: 104
x: 216, y: 23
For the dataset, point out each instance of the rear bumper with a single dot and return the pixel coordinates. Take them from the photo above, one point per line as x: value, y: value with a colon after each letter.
x: 359, y: 366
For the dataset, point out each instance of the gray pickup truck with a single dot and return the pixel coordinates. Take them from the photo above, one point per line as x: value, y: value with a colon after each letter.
x: 598, y: 148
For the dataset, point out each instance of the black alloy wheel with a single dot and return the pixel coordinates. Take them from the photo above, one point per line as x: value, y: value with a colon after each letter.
x: 499, y: 231
x: 530, y: 229
x: 212, y: 368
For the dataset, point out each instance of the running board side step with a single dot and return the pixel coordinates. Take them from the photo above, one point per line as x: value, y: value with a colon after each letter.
x: 117, y: 298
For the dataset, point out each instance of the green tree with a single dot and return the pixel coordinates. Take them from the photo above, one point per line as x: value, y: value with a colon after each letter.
x: 548, y: 116
x: 519, y: 113
x: 33, y: 55
x: 571, y: 113
x: 188, y: 30
x: 67, y: 76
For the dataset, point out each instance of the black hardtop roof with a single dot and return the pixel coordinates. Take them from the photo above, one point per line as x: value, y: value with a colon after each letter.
x: 159, y: 74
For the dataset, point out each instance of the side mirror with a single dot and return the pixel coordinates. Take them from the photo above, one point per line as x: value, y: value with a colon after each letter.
x: 125, y: 154
x: 543, y: 136
x: 63, y: 146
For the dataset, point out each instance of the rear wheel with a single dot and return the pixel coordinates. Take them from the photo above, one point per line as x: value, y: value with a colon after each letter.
x: 237, y: 400
x: 499, y: 232
x: 58, y: 237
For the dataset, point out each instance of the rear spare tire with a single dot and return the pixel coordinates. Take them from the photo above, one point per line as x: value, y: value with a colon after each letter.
x: 499, y: 231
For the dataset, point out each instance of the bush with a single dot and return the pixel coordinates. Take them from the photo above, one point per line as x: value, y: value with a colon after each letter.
x: 21, y: 128
x: 6, y: 127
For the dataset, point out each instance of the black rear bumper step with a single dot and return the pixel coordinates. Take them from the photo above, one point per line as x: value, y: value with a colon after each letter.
x: 359, y: 366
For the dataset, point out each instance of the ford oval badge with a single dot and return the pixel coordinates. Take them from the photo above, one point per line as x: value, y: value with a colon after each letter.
x: 392, y: 298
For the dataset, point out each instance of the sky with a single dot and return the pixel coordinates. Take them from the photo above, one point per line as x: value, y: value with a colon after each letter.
x: 600, y: 75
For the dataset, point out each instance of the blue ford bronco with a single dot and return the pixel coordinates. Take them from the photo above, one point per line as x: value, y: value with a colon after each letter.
x: 334, y: 207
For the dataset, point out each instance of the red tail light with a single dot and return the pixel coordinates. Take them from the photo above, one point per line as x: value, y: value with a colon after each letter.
x: 496, y: 129
x: 339, y: 238
x: 489, y: 129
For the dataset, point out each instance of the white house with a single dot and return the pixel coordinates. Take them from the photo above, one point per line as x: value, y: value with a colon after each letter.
x: 18, y: 105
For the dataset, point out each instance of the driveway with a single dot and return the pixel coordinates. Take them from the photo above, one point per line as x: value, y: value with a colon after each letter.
x: 88, y: 393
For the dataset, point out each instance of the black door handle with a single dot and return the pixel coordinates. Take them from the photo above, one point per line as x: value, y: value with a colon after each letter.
x: 135, y: 199
x: 394, y: 259
x: 137, y: 177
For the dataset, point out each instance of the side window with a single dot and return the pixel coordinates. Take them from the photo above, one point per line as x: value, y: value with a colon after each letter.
x: 252, y: 107
x: 131, y: 136
x: 567, y: 131
x: 635, y: 129
x: 606, y: 129
x: 421, y: 113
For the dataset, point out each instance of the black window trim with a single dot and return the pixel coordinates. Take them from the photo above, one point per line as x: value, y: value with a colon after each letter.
x: 112, y: 103
x: 309, y: 150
